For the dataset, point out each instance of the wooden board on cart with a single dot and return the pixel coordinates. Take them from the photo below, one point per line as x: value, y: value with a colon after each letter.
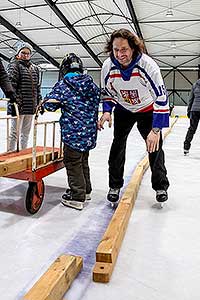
x: 20, y: 161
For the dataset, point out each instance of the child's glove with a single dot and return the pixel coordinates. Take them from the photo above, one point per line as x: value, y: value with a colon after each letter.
x: 41, y: 110
x: 13, y: 111
x: 12, y: 97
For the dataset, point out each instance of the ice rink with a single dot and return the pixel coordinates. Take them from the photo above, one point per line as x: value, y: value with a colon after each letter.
x: 159, y: 258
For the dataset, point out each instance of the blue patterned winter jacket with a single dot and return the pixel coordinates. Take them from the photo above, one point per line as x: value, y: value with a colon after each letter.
x: 79, y: 99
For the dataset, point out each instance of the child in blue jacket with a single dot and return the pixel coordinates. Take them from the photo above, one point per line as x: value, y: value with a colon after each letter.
x: 78, y: 98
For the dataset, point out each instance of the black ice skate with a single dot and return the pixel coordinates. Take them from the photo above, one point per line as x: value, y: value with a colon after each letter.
x: 67, y: 200
x: 68, y: 195
x: 186, y: 152
x: 113, y: 196
x: 161, y: 197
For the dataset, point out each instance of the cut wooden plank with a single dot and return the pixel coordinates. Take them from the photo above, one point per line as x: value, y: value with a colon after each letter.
x: 131, y: 191
x: 102, y: 272
x: 20, y: 161
x: 57, y: 279
x: 108, y: 249
x: 170, y: 128
x: 109, y: 246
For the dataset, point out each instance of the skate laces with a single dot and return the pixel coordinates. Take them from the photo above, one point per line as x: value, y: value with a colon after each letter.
x: 161, y: 192
x: 114, y: 191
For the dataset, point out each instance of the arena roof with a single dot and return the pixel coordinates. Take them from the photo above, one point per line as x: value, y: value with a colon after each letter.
x: 169, y: 28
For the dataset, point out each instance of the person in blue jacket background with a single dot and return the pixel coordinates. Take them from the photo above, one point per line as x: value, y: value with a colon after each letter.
x: 78, y: 98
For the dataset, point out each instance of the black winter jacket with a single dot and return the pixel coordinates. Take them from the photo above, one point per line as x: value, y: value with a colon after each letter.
x: 25, y: 80
x: 5, y: 82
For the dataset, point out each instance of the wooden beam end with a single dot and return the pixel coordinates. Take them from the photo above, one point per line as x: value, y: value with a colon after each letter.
x: 102, y: 272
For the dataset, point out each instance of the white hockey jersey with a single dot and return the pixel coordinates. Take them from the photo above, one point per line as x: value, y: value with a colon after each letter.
x: 139, y: 88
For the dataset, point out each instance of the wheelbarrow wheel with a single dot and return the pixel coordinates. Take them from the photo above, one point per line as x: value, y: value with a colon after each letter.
x: 34, y: 196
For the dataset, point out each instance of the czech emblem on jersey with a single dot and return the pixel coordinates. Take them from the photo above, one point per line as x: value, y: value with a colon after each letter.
x: 130, y: 96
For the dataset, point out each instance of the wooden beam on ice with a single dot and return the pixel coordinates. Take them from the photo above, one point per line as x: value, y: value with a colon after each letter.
x: 57, y: 279
x: 102, y: 272
x: 108, y: 249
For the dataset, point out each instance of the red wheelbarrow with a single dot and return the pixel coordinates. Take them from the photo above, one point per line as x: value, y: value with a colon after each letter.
x: 34, y: 163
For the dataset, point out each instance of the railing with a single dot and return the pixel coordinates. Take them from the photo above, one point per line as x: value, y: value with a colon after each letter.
x: 45, y: 124
x: 8, y: 118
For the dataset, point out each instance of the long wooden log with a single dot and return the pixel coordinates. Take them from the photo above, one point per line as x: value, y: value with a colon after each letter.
x: 109, y: 246
x: 108, y: 249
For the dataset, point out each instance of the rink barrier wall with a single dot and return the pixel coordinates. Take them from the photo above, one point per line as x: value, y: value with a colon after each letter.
x: 108, y: 249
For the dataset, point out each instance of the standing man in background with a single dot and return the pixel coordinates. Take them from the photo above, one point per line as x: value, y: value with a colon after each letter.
x: 25, y: 79
x: 193, y: 113
x: 132, y: 83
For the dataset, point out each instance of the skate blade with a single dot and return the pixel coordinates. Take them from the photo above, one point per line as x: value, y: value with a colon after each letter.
x: 88, y: 197
x: 73, y: 204
x: 158, y: 205
x: 113, y: 204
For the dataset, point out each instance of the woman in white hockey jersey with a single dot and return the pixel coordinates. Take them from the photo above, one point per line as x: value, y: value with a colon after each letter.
x: 133, y: 85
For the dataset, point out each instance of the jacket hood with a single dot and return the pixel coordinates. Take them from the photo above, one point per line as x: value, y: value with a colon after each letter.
x: 81, y: 83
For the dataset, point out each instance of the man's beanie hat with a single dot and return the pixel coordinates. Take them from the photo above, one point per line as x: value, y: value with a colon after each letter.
x: 22, y: 45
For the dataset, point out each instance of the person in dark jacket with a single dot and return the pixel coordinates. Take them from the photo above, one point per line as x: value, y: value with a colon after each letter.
x: 25, y: 79
x: 193, y: 113
x: 6, y: 85
x: 78, y: 97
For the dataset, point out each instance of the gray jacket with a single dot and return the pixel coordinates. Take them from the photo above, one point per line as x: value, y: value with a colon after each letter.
x: 194, y: 100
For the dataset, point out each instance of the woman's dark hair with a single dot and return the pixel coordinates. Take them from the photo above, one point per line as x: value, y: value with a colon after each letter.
x: 133, y: 40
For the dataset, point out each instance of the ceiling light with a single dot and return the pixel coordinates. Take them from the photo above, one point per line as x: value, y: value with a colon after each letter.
x: 173, y: 45
x: 46, y: 66
x: 19, y: 18
x: 57, y: 48
x: 18, y: 24
x: 169, y: 12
